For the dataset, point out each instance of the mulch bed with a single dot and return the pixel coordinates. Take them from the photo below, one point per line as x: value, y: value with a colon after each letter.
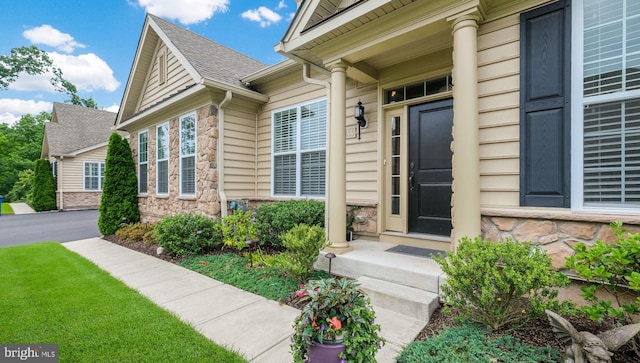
x: 535, y: 332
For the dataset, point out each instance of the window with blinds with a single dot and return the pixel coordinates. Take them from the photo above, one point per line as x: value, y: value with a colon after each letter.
x: 143, y: 157
x: 188, y: 154
x: 93, y: 175
x: 611, y: 103
x: 162, y: 159
x: 299, y: 150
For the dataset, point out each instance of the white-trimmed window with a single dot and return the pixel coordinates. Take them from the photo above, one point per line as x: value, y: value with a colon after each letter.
x: 606, y: 104
x: 299, y: 150
x: 188, y: 154
x: 143, y: 158
x: 162, y: 159
x: 93, y: 175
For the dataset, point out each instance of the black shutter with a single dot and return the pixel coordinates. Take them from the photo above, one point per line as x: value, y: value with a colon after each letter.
x: 545, y: 122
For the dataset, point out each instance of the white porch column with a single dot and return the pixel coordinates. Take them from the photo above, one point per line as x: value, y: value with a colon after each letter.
x: 336, y: 201
x: 465, y: 202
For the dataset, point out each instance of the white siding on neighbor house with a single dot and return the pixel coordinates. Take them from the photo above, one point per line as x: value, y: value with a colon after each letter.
x: 177, y: 80
x: 72, y: 169
x: 499, y: 114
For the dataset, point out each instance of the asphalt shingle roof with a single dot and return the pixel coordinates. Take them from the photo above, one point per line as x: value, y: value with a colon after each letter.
x: 210, y: 59
x: 73, y: 128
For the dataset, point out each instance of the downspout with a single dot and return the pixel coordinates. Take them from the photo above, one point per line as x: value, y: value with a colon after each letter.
x: 60, y: 183
x: 306, y: 75
x: 220, y: 153
x: 255, y: 164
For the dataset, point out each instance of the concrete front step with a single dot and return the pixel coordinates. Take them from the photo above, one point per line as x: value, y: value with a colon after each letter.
x: 405, y: 300
x: 406, y: 284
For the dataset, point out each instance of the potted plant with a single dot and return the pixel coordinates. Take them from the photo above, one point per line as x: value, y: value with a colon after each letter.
x: 337, y: 324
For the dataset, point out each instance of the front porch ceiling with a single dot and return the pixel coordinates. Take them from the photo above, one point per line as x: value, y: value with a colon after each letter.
x: 374, y: 34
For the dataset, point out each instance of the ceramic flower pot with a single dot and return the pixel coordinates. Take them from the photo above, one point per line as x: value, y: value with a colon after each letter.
x: 325, y: 353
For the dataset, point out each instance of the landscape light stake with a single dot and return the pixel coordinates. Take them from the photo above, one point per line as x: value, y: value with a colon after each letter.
x: 330, y: 256
x: 249, y: 241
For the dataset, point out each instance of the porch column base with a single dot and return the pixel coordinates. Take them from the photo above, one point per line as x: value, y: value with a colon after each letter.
x: 339, y: 248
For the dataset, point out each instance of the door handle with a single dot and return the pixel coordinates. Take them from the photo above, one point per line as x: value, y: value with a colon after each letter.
x: 411, y: 181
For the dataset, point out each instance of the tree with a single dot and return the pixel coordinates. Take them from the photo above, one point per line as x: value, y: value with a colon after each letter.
x: 22, y: 188
x: 119, y: 203
x: 20, y: 146
x: 43, y: 193
x: 34, y: 61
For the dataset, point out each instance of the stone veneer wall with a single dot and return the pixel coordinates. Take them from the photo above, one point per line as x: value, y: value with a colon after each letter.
x: 79, y: 200
x: 154, y: 207
x: 555, y: 235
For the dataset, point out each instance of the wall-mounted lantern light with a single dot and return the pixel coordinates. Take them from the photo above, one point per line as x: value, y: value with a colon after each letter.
x: 359, y: 114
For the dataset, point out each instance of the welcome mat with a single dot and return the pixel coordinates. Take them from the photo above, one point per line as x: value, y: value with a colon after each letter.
x: 416, y: 251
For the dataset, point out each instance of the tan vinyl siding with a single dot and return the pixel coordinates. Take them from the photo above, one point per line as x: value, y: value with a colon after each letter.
x: 498, y: 104
x: 362, y: 155
x: 72, y: 169
x: 177, y: 80
x: 286, y: 91
x: 239, y: 153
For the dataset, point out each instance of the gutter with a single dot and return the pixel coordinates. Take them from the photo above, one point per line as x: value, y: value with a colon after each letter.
x: 220, y: 153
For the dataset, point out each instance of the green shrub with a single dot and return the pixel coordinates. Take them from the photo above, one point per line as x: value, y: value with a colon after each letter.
x: 43, y: 192
x: 614, y: 268
x: 275, y: 219
x: 137, y: 232
x: 119, y: 201
x: 236, y: 229
x: 180, y: 234
x: 469, y: 343
x: 303, y: 244
x: 499, y: 283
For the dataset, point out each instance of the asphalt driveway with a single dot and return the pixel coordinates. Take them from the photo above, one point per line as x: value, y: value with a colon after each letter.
x: 20, y: 229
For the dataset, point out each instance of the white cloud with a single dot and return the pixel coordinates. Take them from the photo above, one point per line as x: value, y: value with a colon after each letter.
x: 87, y: 72
x: 262, y: 15
x: 112, y: 108
x: 185, y: 11
x: 281, y: 5
x: 48, y: 35
x: 12, y: 109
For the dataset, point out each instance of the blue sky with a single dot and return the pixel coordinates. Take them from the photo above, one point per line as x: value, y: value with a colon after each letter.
x: 94, y: 42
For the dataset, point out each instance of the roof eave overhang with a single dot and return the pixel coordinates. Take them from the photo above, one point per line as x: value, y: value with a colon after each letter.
x: 203, y: 86
x: 125, y: 124
x: 283, y: 66
x: 240, y: 91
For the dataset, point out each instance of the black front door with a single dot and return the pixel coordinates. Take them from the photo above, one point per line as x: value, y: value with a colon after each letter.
x: 430, y: 157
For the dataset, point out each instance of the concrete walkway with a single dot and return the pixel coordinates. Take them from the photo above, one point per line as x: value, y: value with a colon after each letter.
x: 258, y: 328
x: 21, y: 208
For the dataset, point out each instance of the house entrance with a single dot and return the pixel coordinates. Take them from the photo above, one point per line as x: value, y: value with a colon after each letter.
x: 429, y: 168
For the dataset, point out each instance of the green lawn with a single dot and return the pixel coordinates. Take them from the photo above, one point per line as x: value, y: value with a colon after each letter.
x: 53, y: 296
x: 6, y: 208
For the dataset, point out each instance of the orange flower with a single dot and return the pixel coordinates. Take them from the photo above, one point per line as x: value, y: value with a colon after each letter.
x: 335, y: 323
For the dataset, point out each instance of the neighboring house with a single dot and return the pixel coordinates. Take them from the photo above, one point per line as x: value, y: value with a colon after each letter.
x: 75, y: 142
x: 505, y: 118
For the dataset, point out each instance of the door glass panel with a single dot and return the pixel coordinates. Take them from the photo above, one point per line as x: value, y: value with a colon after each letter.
x: 395, y: 165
